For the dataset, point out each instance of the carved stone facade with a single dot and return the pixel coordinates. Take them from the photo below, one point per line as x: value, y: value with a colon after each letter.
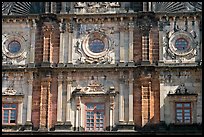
x: 101, y: 66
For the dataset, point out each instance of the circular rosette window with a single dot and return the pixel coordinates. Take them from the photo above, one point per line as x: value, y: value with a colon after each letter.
x: 13, y: 46
x: 181, y: 43
x: 96, y: 44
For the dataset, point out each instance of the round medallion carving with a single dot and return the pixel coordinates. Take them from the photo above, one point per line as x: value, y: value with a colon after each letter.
x: 13, y: 46
x: 181, y: 43
x: 96, y: 44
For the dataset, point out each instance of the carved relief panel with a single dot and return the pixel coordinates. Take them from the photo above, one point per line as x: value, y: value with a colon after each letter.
x: 94, y: 44
x: 180, y: 40
x: 15, y: 44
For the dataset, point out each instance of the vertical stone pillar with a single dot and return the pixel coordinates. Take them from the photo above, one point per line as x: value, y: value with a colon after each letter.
x: 53, y: 7
x: 63, y: 9
x: 29, y: 102
x: 161, y: 35
x: 70, y: 37
x: 145, y: 6
x: 77, y: 113
x: 59, y: 99
x: 71, y: 7
x: 131, y: 97
x: 20, y: 112
x: 61, y: 57
x: 47, y: 7
x: 131, y: 28
x: 68, y: 105
x: 121, y: 99
x: 32, y: 48
x: 196, y: 25
x: 150, y: 102
x: 111, y: 112
x: 122, y: 52
x: 149, y: 6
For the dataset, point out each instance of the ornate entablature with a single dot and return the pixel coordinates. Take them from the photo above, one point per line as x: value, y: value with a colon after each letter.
x: 14, y: 49
x: 96, y: 7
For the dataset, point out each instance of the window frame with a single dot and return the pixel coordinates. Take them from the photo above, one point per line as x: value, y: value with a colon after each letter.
x: 9, y: 116
x: 183, y: 108
x: 95, y: 113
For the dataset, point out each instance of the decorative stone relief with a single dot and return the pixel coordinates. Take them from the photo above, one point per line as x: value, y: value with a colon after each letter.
x: 180, y: 40
x: 14, y: 50
x: 181, y: 89
x: 94, y: 47
x: 9, y: 91
x: 96, y: 7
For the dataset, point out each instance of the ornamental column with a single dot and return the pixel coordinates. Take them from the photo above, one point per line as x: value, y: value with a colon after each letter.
x: 59, y: 99
x: 162, y: 43
x: 53, y: 7
x: 131, y: 28
x: 122, y: 52
x: 28, y: 124
x: 131, y: 97
x: 111, y: 112
x: 70, y: 37
x: 68, y: 106
x: 63, y: 9
x: 61, y: 55
x: 47, y: 7
x: 77, y: 124
x: 145, y: 6
x: 32, y: 48
x: 121, y: 99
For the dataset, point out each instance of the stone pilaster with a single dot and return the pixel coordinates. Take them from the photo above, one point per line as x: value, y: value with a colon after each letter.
x: 121, y: 99
x: 32, y: 48
x: 130, y: 97
x: 28, y: 124
x: 122, y: 52
x: 70, y: 37
x: 131, y: 28
x: 63, y: 9
x: 62, y: 39
x: 111, y: 112
x: 59, y: 99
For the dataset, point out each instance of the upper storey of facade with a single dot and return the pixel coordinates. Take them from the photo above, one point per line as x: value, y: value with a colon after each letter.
x: 111, y: 33
x: 25, y: 8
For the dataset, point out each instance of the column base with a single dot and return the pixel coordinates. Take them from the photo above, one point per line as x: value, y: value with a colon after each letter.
x: 45, y: 64
x: 31, y: 65
x: 28, y: 126
x: 63, y: 126
x: 43, y: 129
x: 61, y: 65
x: 145, y: 63
x: 124, y: 127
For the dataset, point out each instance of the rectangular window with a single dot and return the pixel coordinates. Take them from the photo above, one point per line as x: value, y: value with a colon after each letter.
x: 183, y: 112
x: 9, y: 114
x: 95, y: 114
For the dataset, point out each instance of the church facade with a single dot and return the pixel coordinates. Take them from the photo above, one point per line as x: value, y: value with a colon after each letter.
x: 101, y: 66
